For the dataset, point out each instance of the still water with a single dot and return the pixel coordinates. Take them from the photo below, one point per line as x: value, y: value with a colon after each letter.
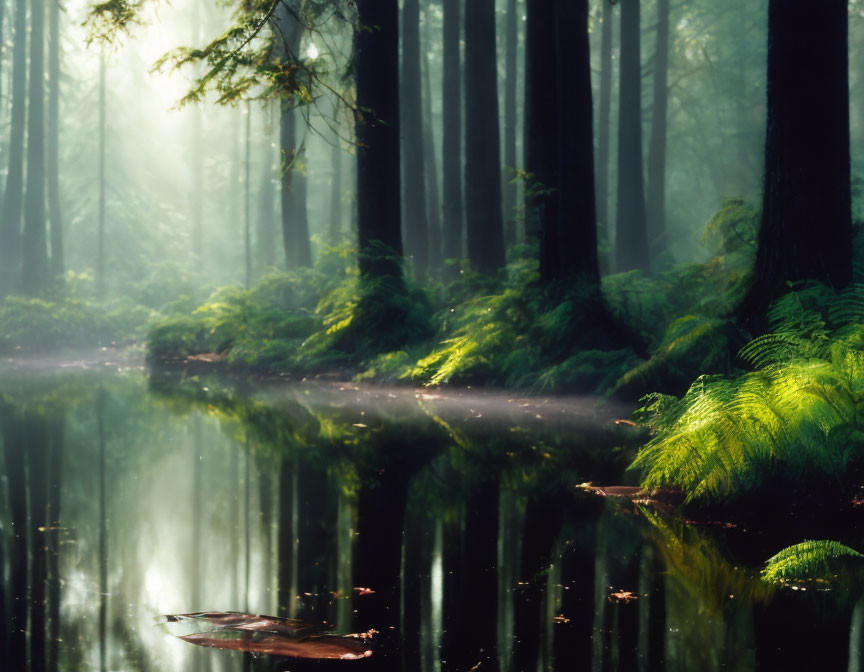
x: 457, y: 525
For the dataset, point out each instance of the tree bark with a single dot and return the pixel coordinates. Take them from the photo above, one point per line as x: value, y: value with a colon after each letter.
x: 631, y: 235
x: 603, y: 129
x: 53, y: 161
x: 452, y: 133
x: 656, y: 204
x: 482, y: 141
x: 510, y: 77
x: 376, y: 67
x: 34, y: 260
x: 10, y: 244
x: 295, y: 230
x: 806, y: 231
x: 416, y: 224
x: 433, y: 192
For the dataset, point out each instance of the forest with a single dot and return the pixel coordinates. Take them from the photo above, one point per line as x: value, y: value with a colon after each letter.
x: 431, y: 335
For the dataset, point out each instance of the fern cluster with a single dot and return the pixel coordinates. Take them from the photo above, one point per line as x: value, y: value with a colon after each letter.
x: 799, y: 412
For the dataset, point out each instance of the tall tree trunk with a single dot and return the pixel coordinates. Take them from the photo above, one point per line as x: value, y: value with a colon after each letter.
x: 53, y: 161
x: 806, y: 228
x: 247, y: 196
x: 34, y: 260
x: 631, y: 240
x: 416, y: 225
x: 574, y: 257
x: 295, y: 233
x: 510, y: 77
x: 452, y: 134
x: 656, y: 204
x: 482, y: 141
x: 603, y: 130
x: 337, y: 195
x: 14, y: 443
x: 266, y: 230
x: 10, y: 225
x: 541, y: 130
x: 376, y: 67
x: 299, y: 196
x: 100, y: 245
x: 55, y: 482
x: 433, y: 193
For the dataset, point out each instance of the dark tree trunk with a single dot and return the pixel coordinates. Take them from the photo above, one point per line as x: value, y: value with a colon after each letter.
x: 14, y: 445
x: 561, y: 142
x: 452, y: 135
x: 631, y: 239
x: 541, y: 129
x: 806, y: 228
x: 603, y: 129
x: 295, y: 231
x: 416, y: 226
x: 433, y: 192
x: 53, y: 182
x: 574, y: 258
x: 55, y: 482
x: 10, y: 243
x: 510, y: 77
x: 482, y: 141
x: 656, y: 203
x: 376, y: 67
x: 34, y: 259
x: 299, y: 196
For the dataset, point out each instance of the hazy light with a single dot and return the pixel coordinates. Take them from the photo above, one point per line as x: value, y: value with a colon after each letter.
x: 312, y: 51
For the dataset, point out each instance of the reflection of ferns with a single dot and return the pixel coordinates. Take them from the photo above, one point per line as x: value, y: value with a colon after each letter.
x: 800, y: 409
x: 812, y: 560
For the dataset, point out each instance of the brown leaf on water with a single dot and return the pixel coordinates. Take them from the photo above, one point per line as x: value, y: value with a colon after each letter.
x: 270, y: 635
x: 314, y: 647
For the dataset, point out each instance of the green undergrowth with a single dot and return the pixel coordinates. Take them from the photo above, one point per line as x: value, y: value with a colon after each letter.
x: 796, y: 416
x: 41, y: 324
x: 506, y: 331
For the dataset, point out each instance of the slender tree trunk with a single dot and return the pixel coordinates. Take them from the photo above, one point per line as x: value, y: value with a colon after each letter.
x: 806, y: 228
x: 376, y: 66
x: 247, y: 197
x: 416, y: 225
x: 452, y: 135
x: 100, y: 246
x: 631, y: 235
x: 433, y: 194
x: 656, y: 203
x: 603, y: 128
x: 266, y: 233
x: 298, y: 199
x: 483, y: 144
x: 54, y: 213
x: 14, y: 442
x: 10, y: 225
x: 55, y: 482
x: 337, y: 195
x: 510, y: 77
x: 34, y: 269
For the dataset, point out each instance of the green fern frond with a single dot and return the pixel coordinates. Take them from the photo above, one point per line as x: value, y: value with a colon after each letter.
x: 811, y: 560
